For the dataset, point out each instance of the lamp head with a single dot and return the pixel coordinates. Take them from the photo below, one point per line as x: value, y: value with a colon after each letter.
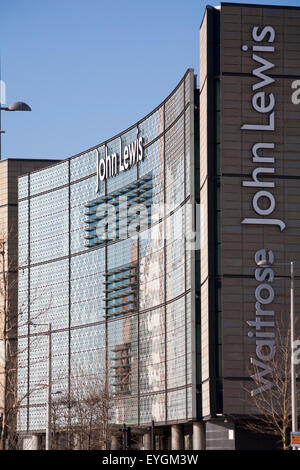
x: 19, y: 106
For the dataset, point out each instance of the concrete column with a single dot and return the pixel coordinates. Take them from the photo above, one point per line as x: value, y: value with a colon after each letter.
x: 188, y: 442
x: 199, y: 436
x: 115, y: 443
x: 163, y: 443
x: 147, y: 441
x: 177, y: 437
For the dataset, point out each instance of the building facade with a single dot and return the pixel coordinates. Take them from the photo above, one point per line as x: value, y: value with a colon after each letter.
x: 10, y: 170
x: 249, y: 191
x: 120, y: 299
x: 173, y: 314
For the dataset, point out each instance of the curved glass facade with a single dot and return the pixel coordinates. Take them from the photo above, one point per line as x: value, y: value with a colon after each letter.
x: 118, y: 287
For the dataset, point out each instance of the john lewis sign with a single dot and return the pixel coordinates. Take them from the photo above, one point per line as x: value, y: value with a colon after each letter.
x: 115, y: 163
x: 263, y: 102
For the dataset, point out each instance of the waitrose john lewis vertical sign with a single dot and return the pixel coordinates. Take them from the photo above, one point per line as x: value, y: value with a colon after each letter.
x: 263, y: 201
x: 260, y: 191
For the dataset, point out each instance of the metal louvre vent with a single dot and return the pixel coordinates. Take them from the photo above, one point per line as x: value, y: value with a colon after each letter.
x: 107, y: 218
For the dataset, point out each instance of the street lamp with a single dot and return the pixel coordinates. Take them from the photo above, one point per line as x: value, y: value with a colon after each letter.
x: 49, y: 382
x: 17, y: 106
x: 264, y: 263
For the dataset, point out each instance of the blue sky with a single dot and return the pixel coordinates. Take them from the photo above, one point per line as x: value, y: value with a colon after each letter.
x: 90, y: 69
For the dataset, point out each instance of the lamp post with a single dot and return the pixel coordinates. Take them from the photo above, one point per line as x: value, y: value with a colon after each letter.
x: 17, y: 106
x: 265, y: 263
x: 293, y: 370
x: 49, y: 396
x: 152, y: 435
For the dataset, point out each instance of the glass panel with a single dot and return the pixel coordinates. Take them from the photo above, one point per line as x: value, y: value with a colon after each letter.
x: 151, y: 270
x: 175, y: 165
x: 83, y: 165
x: 23, y: 233
x: 177, y: 405
x: 175, y: 254
x: 49, y: 178
x: 174, y: 105
x: 49, y: 293
x: 87, y: 285
x: 153, y: 126
x: 23, y: 186
x: 176, y: 356
x: 49, y: 226
x: 152, y: 351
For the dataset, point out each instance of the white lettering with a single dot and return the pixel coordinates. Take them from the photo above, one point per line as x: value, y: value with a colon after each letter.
x: 261, y: 346
x: 255, y: 183
x: 267, y: 195
x: 115, y: 163
x: 264, y: 300
x: 133, y: 152
x: 259, y: 376
x: 254, y: 221
x: 261, y: 36
x: 102, y: 169
x: 261, y: 127
x: 126, y: 157
x: 296, y: 94
x: 259, y: 72
x: 259, y: 102
x: 258, y: 159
